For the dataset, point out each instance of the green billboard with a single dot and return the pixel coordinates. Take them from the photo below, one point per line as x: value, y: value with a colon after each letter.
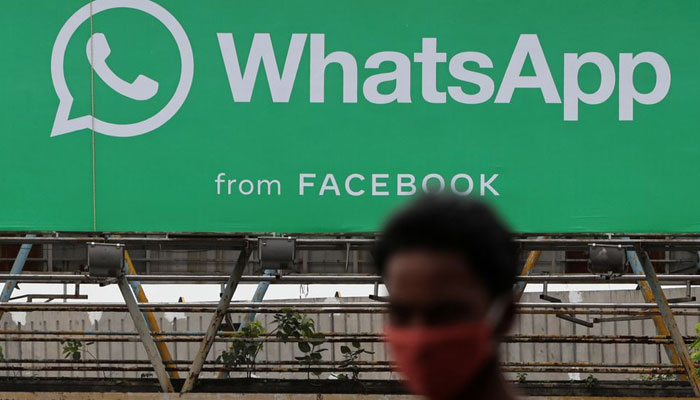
x: 321, y: 116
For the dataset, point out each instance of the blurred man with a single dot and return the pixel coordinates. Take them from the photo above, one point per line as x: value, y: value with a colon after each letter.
x: 449, y: 265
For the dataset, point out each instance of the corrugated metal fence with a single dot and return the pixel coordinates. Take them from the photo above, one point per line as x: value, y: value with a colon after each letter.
x: 525, y: 324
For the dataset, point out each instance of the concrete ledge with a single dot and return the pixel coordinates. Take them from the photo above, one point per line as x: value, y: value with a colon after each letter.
x: 312, y: 389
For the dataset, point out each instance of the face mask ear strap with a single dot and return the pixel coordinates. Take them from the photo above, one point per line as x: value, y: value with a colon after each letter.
x: 498, y: 309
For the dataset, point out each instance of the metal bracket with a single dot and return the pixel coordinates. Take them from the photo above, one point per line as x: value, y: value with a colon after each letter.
x: 566, y: 317
x: 382, y: 299
x: 49, y: 297
x: 145, y: 334
x: 221, y: 310
x: 640, y: 261
x: 688, y: 296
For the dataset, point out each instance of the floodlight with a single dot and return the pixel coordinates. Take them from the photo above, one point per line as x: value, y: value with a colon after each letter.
x: 105, y: 260
x: 276, y: 252
x: 607, y: 259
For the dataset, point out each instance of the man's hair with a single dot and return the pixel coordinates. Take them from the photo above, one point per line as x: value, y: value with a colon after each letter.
x: 454, y: 224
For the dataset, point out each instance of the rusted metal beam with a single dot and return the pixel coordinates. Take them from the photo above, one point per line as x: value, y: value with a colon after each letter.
x: 140, y: 294
x: 532, y: 258
x: 669, y: 320
x: 655, y: 340
x: 333, y: 279
x: 216, y: 319
x: 648, y: 296
x: 145, y: 335
x: 534, y: 368
x: 17, y: 267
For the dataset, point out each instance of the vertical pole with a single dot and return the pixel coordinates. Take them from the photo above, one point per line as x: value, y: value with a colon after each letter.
x: 216, y: 319
x: 669, y: 320
x: 532, y: 258
x: 648, y: 295
x: 145, y: 335
x: 17, y: 267
x: 258, y: 296
x: 150, y: 317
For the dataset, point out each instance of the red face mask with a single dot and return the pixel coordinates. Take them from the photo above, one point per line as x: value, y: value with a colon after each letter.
x: 439, y: 362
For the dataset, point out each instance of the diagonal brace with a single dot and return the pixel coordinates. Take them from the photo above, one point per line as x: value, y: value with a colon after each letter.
x: 145, y: 335
x: 668, y: 319
x: 213, y: 328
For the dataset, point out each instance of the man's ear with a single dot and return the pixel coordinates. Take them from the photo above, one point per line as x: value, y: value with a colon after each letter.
x: 503, y: 327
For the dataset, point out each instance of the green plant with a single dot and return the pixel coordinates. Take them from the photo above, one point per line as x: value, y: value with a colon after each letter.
x: 76, y: 349
x: 2, y: 354
x: 302, y: 329
x: 351, y: 356
x: 591, y: 381
x: 245, y: 350
x: 695, y: 349
x: 521, y: 377
x: 657, y: 377
x: 73, y: 349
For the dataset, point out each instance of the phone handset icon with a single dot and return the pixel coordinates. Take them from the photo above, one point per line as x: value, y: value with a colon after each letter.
x: 97, y: 49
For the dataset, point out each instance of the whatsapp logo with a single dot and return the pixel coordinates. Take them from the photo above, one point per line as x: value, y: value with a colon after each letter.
x: 97, y: 51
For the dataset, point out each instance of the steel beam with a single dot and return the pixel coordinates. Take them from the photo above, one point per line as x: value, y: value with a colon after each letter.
x: 669, y: 320
x: 334, y: 279
x: 532, y: 259
x: 329, y: 241
x: 258, y: 296
x: 661, y: 329
x: 145, y: 335
x: 216, y: 319
x: 17, y: 267
x: 150, y: 318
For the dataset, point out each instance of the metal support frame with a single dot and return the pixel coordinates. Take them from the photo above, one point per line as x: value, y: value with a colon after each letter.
x: 216, y: 319
x: 668, y: 320
x: 145, y: 335
x: 648, y: 296
x: 258, y: 296
x: 150, y: 318
x: 532, y: 259
x: 17, y: 267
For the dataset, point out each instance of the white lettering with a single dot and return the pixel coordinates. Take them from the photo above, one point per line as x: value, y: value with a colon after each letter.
x: 629, y: 94
x: 303, y: 184
x: 269, y: 184
x: 487, y: 185
x: 348, y: 181
x: 428, y: 58
x: 426, y: 183
x: 401, y: 184
x: 219, y: 181
x: 458, y: 71
x: 319, y: 62
x: 401, y: 76
x: 249, y: 183
x: 572, y: 90
x: 470, y: 184
x: 329, y: 183
x: 528, y: 45
x: 376, y: 185
x: 261, y: 50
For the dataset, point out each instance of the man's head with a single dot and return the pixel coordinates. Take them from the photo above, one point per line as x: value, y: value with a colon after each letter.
x: 445, y: 259
x: 449, y: 265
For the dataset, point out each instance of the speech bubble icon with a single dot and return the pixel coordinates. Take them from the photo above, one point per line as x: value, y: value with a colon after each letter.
x: 64, y: 124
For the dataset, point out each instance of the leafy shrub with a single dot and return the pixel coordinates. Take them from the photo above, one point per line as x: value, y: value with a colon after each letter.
x: 244, y: 351
x: 351, y: 356
x: 302, y: 329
